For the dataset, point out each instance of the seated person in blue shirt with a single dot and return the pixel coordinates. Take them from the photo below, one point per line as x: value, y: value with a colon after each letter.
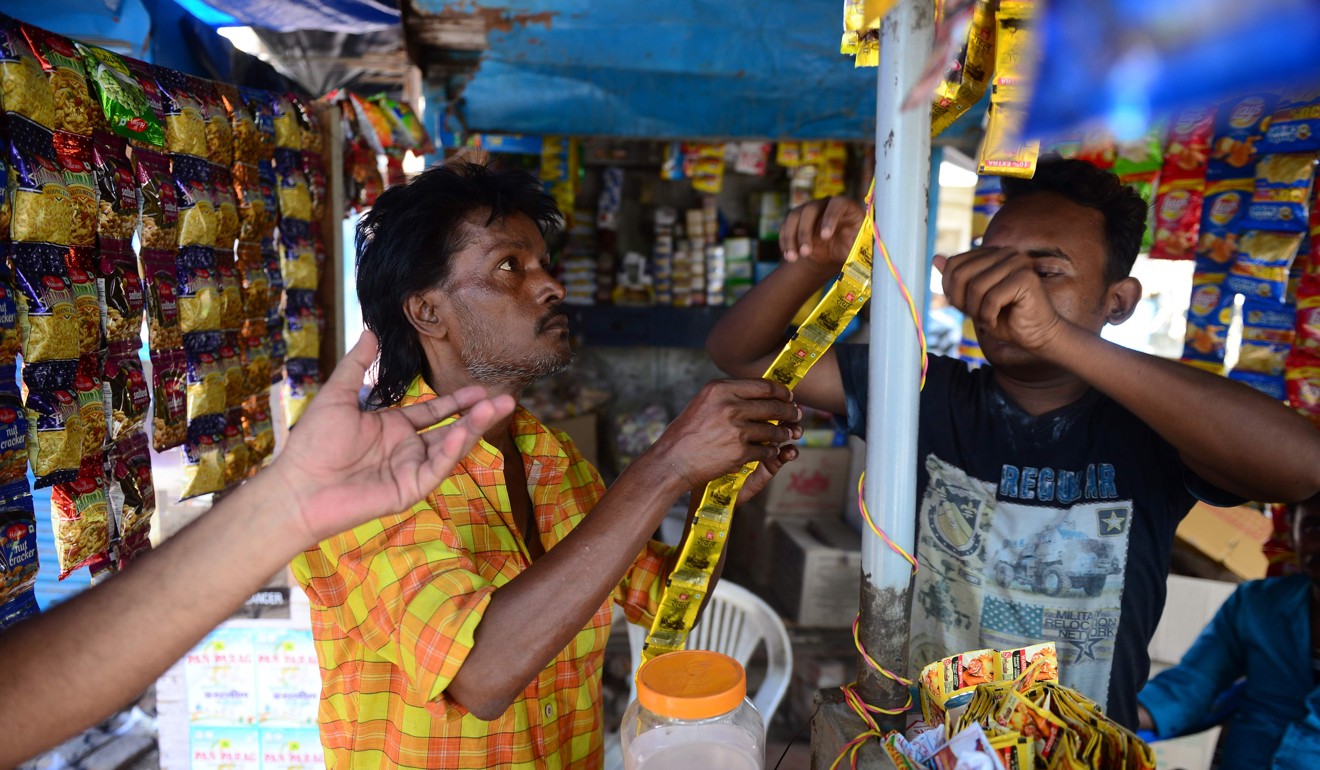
x: 1268, y: 631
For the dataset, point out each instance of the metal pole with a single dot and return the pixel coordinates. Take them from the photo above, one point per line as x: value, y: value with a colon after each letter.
x: 901, y: 193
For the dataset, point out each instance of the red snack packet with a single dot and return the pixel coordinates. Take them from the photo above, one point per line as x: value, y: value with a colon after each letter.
x: 1177, y: 220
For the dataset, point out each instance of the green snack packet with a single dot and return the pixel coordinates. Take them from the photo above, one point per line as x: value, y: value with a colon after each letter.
x: 122, y: 99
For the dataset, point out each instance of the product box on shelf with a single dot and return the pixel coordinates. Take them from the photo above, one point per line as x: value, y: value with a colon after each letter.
x: 817, y: 577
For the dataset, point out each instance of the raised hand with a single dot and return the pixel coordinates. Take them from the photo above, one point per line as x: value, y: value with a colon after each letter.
x: 1003, y: 292
x: 725, y: 426
x: 821, y: 231
x: 344, y: 466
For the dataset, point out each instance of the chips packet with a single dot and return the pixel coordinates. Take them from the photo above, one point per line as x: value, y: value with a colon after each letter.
x: 146, y: 79
x: 197, y: 217
x: 24, y: 86
x: 275, y: 283
x: 260, y: 107
x: 253, y: 213
x: 317, y: 185
x: 169, y: 371
x: 13, y: 435
x: 40, y: 208
x: 258, y: 430
x: 219, y: 132
x: 11, y: 338
x: 298, y: 264
x: 47, y: 316
x: 204, y: 457
x: 235, y: 448
x: 81, y: 263
x: 185, y: 127
x: 18, y: 552
x: 242, y: 126
x: 160, y: 199
x: 966, y: 77
x: 231, y: 291
x: 1223, y: 209
x: 75, y: 156
x: 117, y: 196
x: 124, y: 391
x: 1238, y: 129
x: 206, y: 379
x: 1281, y: 200
x: 256, y: 286
x: 303, y: 320
x: 279, y: 349
x: 74, y: 110
x: 226, y: 207
x: 55, y: 434
x: 123, y: 101
x: 1261, y: 267
x: 198, y: 290
x: 81, y: 521
x: 131, y: 494
x: 120, y: 286
x: 91, y: 407
x: 230, y: 361
x: 301, y: 384
x: 1177, y: 220
x: 295, y: 199
x: 255, y: 354
x: 1302, y: 380
x: 1187, y: 145
x: 161, y: 282
x: 1208, y: 317
x: 1295, y: 124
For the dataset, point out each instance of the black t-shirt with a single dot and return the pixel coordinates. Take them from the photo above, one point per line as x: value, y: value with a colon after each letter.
x: 1055, y: 528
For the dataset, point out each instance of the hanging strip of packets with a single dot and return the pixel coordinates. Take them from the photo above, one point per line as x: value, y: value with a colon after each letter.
x: 689, y: 583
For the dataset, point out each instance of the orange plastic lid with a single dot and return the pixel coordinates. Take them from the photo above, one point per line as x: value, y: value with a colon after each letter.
x: 691, y: 684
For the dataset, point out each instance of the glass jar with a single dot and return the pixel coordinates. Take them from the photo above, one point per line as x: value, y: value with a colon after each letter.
x: 692, y: 712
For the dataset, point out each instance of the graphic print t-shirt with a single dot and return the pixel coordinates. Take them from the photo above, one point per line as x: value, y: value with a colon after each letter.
x: 1056, y: 527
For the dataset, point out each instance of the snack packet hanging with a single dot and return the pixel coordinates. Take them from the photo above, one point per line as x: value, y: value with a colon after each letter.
x: 242, y: 126
x: 1261, y: 267
x: 1238, y: 129
x: 372, y: 125
x: 25, y: 89
x: 298, y: 264
x: 317, y: 186
x: 1223, y: 209
x: 1019, y: 714
x: 279, y: 349
x: 1308, y: 315
x: 160, y: 199
x: 6, y: 182
x: 256, y: 358
x: 256, y: 286
x: 203, y: 457
x: 161, y: 282
x: 1295, y: 124
x: 421, y: 141
x: 124, y: 391
x: 123, y: 101
x: 1003, y: 152
x: 1208, y: 317
x: 235, y: 448
x: 91, y: 407
x: 1187, y: 145
x: 309, y: 126
x: 198, y: 290
x: 131, y: 494
x: 215, y: 121
x: 274, y: 277
x: 253, y: 214
x: 118, y: 282
x: 226, y: 207
x: 966, y: 77
x: 185, y: 128
x: 169, y: 371
x: 302, y: 331
x: 117, y: 196
x: 258, y: 430
x: 11, y: 338
x: 75, y: 156
x: 80, y: 261
x: 55, y: 434
x: 1267, y: 337
x: 47, y: 316
x: 146, y: 80
x: 301, y: 384
x: 41, y: 210
x: 285, y: 119
x: 206, y: 380
x: 230, y: 362
x: 197, y: 219
x: 82, y: 527
x: 13, y: 434
x: 1177, y: 220
x: 18, y: 551
x: 295, y: 200
x: 1302, y: 379
x: 263, y: 119
x: 59, y: 59
x: 1282, y: 196
x: 231, y: 292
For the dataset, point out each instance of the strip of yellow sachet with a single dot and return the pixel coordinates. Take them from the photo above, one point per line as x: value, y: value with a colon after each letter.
x: 690, y: 580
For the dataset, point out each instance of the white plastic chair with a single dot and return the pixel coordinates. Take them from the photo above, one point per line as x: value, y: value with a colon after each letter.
x: 735, y: 622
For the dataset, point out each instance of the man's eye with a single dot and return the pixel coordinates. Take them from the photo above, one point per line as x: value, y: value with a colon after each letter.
x: 1048, y: 274
x: 509, y: 264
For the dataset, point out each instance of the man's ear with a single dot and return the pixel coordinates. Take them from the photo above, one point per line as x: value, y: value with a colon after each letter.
x: 424, y: 314
x: 1123, y: 298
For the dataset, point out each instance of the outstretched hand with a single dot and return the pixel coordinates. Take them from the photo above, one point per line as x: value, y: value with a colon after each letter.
x: 344, y: 466
x: 821, y: 231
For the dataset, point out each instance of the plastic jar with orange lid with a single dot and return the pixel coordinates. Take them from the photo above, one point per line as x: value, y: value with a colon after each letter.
x: 692, y: 712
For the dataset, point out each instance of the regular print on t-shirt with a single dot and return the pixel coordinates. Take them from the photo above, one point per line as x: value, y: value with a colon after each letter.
x: 1035, y: 556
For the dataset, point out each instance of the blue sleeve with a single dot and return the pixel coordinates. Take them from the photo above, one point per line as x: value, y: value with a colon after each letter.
x: 853, y: 370
x: 1180, y: 698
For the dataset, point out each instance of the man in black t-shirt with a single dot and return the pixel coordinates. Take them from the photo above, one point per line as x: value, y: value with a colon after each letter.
x: 1049, y: 483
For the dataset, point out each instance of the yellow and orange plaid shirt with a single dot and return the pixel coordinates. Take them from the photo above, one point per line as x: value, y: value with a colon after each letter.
x: 396, y: 602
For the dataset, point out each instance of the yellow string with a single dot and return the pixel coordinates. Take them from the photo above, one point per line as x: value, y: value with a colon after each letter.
x: 860, y: 707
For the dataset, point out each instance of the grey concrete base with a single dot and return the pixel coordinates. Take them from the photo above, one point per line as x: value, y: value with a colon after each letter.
x: 836, y: 724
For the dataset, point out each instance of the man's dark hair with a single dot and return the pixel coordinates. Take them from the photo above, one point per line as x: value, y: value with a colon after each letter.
x: 406, y: 242
x: 1122, y: 208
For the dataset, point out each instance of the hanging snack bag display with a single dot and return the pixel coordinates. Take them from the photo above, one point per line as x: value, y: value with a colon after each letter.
x: 18, y: 550
x: 47, y: 316
x: 75, y: 156
x: 13, y: 435
x: 204, y: 457
x: 160, y: 200
x: 72, y: 102
x: 256, y: 358
x: 1295, y: 124
x: 1282, y: 192
x: 124, y: 391
x: 1209, y: 315
x: 87, y: 387
x: 226, y: 207
x: 55, y: 434
x: 295, y: 200
x: 80, y: 261
x: 219, y: 132
x: 302, y: 334
x: 1177, y: 220
x: 131, y: 495
x: 1223, y: 208
x: 169, y: 372
x: 237, y: 457
x: 258, y: 428
x: 206, y: 379
x: 82, y: 524
x: 298, y: 266
x: 41, y: 210
x: 198, y: 290
x: 1267, y: 337
x: 117, y: 196
x: 123, y: 101
x: 301, y: 384
x: 161, y: 282
x: 26, y: 90
x: 121, y: 287
x: 185, y: 128
x: 1263, y: 260
x: 1233, y: 151
x: 197, y: 218
x: 11, y: 338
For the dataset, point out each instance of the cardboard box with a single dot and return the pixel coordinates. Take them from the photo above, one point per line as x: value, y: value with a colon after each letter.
x: 1229, y: 540
x: 815, y: 483
x: 582, y: 429
x: 818, y: 572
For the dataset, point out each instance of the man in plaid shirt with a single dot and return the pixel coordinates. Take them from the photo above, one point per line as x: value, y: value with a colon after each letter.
x: 469, y: 630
